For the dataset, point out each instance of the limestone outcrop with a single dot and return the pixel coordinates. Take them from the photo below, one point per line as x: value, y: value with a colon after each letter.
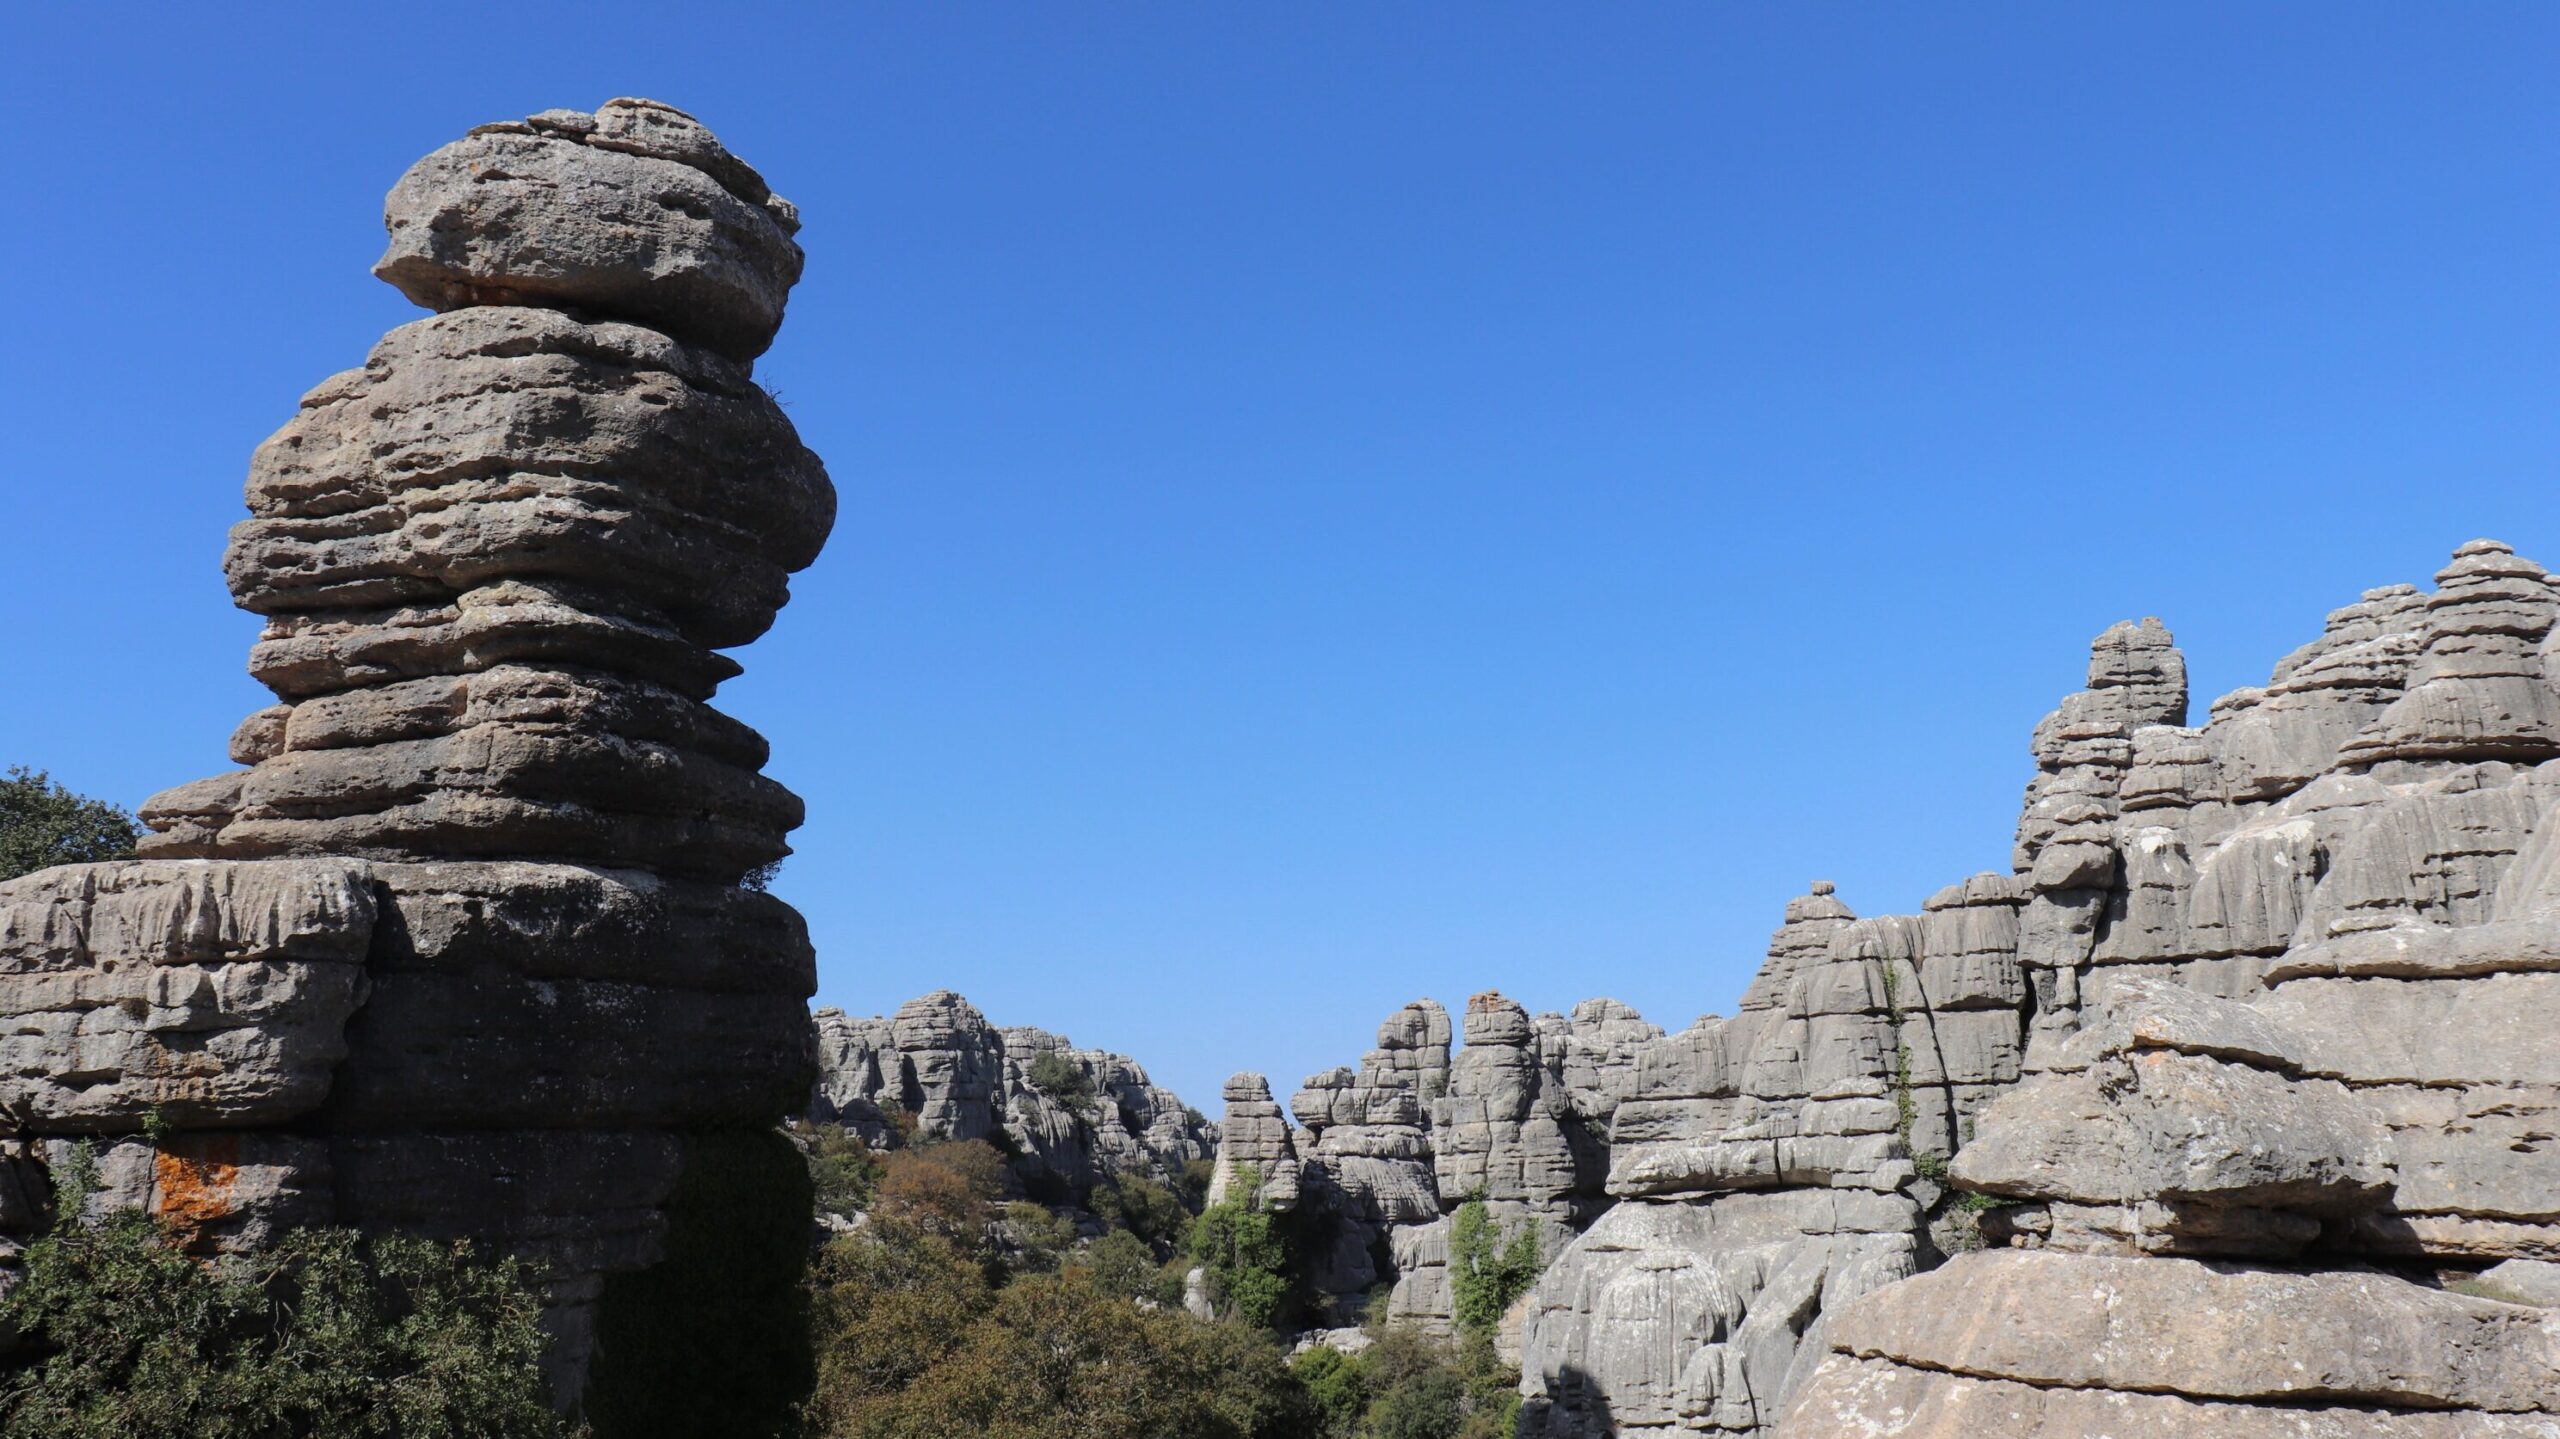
x: 2279, y: 1157
x: 2228, y: 1109
x: 936, y: 1070
x: 1257, y: 1153
x: 473, y: 943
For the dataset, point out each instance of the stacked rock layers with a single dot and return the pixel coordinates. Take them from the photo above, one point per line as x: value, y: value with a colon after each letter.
x: 2267, y: 993
x: 1517, y: 1119
x: 2240, y: 1044
x: 474, y: 938
x: 938, y: 1062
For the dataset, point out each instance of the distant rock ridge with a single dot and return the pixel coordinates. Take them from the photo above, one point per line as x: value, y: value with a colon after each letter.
x: 952, y: 1076
x: 2236, y: 1095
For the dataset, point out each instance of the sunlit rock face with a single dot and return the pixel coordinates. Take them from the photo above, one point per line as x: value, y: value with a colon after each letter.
x: 2246, y: 1064
x: 472, y: 944
x: 937, y: 1070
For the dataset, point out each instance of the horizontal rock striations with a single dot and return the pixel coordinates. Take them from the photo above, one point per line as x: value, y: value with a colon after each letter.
x: 473, y: 943
x: 2228, y: 1109
x: 2279, y: 1158
x: 936, y: 1070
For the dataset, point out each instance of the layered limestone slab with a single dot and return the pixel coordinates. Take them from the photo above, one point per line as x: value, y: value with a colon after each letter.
x: 2211, y: 1331
x: 2158, y: 1124
x: 2487, y: 1029
x: 206, y: 994
x: 1697, y: 1316
x: 2278, y: 984
x: 495, y: 442
x: 1870, y: 1399
x: 635, y: 211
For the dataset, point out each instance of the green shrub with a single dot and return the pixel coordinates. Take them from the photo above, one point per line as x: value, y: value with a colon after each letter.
x: 1244, y: 1254
x: 1035, y: 1239
x: 1430, y: 1405
x: 1152, y: 1212
x: 330, y: 1333
x: 1118, y: 1264
x: 1337, y: 1391
x: 917, y: 1342
x: 1413, y: 1385
x: 1488, y: 1273
x: 42, y: 825
x: 843, y: 1171
x: 1063, y: 1080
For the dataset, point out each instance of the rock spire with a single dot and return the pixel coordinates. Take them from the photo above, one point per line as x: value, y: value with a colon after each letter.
x: 472, y: 943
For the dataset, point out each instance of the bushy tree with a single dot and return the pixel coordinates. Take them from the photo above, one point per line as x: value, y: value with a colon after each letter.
x: 43, y: 824
x: 1120, y: 1264
x: 1152, y: 1212
x: 1243, y: 1255
x: 1063, y: 1080
x: 330, y: 1334
x: 1035, y: 1239
x: 842, y: 1169
x: 919, y: 1341
x: 1409, y: 1384
x: 947, y: 1189
x: 1337, y: 1391
x: 889, y: 1305
x: 1488, y: 1272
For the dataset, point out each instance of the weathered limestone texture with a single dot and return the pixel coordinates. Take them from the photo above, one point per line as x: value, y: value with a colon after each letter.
x: 1255, y: 1148
x: 940, y: 1066
x: 2255, y: 1035
x: 474, y: 943
x: 2283, y: 1162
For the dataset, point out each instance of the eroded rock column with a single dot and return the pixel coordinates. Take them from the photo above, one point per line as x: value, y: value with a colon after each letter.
x: 475, y: 942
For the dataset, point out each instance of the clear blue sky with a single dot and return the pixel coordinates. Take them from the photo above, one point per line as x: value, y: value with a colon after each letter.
x: 1352, y: 501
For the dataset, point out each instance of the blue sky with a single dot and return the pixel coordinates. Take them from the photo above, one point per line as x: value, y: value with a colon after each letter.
x: 1352, y: 501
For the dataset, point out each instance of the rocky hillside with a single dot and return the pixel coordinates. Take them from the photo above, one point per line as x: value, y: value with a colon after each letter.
x: 1066, y: 1118
x: 2229, y: 1109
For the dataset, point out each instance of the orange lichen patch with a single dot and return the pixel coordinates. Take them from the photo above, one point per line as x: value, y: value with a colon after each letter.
x: 192, y: 1180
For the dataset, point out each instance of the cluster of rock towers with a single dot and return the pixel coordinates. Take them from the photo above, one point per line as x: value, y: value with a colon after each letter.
x: 2229, y: 1110
x: 472, y: 945
x: 941, y: 1068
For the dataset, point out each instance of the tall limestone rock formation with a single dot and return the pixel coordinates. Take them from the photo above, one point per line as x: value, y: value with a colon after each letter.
x: 472, y: 945
x: 2244, y: 1075
x: 951, y: 1075
x: 2288, y: 1165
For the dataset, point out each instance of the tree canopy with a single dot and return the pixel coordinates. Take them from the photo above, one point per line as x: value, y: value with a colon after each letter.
x: 43, y: 824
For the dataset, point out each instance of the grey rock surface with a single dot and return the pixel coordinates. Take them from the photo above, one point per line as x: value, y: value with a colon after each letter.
x: 634, y: 212
x: 1876, y: 1397
x: 938, y: 1067
x: 470, y: 946
x: 2275, y: 989
x: 1257, y: 1152
x: 2205, y: 1331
